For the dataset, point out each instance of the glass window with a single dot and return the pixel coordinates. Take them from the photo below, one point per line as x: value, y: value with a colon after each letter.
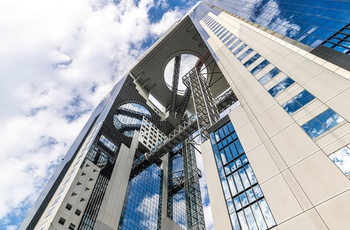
x: 242, y: 220
x: 251, y: 60
x: 224, y: 34
x: 244, y: 198
x: 238, y: 182
x: 259, y: 67
x: 61, y: 220
x: 235, y: 223
x: 244, y: 178
x: 281, y: 86
x: 298, y: 101
x: 341, y: 158
x: 322, y: 123
x: 239, y: 49
x: 231, y: 40
x: 229, y: 203
x: 237, y: 202
x: 239, y: 147
x: 258, y: 216
x: 235, y: 44
x: 69, y: 206
x: 250, y: 195
x: 227, y: 37
x: 250, y: 174
x: 271, y: 74
x: 257, y: 191
x: 232, y: 186
x: 245, y: 54
x: 250, y: 219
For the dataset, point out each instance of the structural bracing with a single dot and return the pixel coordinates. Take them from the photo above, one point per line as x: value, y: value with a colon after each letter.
x: 204, y: 105
x: 195, y: 217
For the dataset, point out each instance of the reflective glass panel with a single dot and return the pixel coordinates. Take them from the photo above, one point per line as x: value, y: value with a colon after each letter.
x: 240, y: 186
x: 281, y: 86
x: 239, y: 49
x: 259, y: 67
x: 245, y: 54
x: 322, y: 123
x: 251, y: 60
x: 298, y: 101
x: 342, y: 159
x: 271, y: 74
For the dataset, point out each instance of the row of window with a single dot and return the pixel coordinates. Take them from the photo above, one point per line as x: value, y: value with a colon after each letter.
x: 62, y: 221
x: 340, y: 41
x: 245, y: 201
x: 316, y: 126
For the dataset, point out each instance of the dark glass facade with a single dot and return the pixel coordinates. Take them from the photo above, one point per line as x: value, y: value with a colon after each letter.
x: 142, y: 205
x: 307, y: 21
x: 245, y: 201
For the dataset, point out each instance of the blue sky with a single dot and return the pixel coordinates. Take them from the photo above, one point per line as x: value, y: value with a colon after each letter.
x: 58, y: 59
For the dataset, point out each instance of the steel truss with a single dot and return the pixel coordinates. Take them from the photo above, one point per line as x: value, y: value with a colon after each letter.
x: 194, y: 207
x: 204, y: 105
x: 175, y: 85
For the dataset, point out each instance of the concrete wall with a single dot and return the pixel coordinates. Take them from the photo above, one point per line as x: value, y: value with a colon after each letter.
x: 302, y: 186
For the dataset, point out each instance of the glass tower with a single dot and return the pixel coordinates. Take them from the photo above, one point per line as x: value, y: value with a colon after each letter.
x: 266, y: 106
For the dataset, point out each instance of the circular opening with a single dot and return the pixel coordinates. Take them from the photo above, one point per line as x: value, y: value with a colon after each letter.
x: 129, y: 118
x: 187, y: 62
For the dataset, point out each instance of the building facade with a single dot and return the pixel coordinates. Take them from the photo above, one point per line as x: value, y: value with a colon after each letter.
x: 268, y: 101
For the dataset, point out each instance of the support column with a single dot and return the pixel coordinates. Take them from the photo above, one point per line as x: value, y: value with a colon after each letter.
x: 112, y: 205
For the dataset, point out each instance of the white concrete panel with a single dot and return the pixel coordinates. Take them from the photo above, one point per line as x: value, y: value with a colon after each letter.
x: 289, y: 93
x: 238, y: 117
x: 327, y: 85
x: 320, y: 178
x: 341, y: 104
x: 244, y: 83
x: 276, y: 156
x: 307, y: 109
x: 336, y: 145
x: 297, y: 190
x: 335, y: 212
x: 262, y: 163
x: 280, y: 199
x: 252, y: 90
x: 258, y: 128
x: 274, y: 120
x: 335, y: 134
x: 294, y: 144
x: 291, y: 61
x: 248, y: 137
x: 309, y: 220
x: 261, y: 102
x: 306, y: 71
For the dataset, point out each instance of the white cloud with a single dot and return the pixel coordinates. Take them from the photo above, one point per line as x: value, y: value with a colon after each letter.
x: 58, y: 59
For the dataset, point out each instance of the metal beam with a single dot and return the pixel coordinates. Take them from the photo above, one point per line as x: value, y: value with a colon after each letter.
x: 175, y: 85
x: 184, y: 102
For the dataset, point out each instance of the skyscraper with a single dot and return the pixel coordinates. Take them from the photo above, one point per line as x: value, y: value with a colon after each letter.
x: 268, y: 102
